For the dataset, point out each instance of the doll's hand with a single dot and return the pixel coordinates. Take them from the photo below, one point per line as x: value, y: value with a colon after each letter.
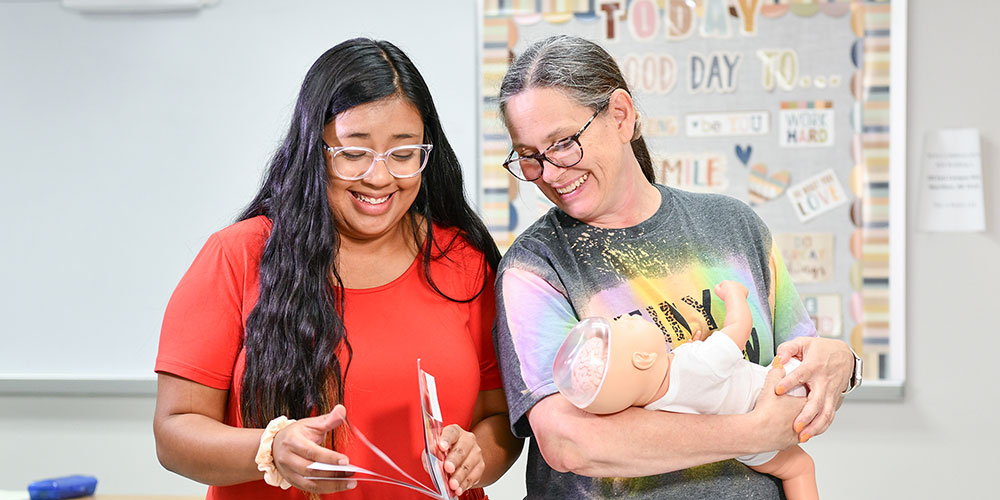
x: 464, y: 461
x: 775, y: 413
x: 826, y: 366
x: 700, y: 334
x: 300, y: 444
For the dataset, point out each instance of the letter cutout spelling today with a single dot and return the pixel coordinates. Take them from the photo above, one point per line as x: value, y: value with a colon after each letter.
x: 645, y: 17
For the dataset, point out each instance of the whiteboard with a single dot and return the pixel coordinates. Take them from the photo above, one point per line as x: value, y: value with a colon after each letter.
x: 128, y: 139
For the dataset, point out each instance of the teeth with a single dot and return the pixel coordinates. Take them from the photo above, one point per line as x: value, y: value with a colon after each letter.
x: 572, y: 187
x: 371, y: 201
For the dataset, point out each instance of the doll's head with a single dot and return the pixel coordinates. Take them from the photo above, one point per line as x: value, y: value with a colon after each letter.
x: 606, y: 366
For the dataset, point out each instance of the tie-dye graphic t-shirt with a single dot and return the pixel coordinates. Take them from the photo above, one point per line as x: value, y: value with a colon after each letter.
x: 561, y: 270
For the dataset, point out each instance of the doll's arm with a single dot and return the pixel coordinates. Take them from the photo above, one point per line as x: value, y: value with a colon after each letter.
x: 738, y: 318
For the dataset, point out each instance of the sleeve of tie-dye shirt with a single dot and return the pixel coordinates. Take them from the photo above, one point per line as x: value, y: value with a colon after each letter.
x: 533, y: 317
x: 790, y: 316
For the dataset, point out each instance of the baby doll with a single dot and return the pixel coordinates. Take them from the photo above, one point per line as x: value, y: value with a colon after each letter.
x: 604, y: 367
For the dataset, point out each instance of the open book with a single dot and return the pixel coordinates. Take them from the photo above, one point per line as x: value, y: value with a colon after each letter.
x: 433, y: 457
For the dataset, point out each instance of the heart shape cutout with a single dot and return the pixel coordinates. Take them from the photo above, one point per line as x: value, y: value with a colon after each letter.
x: 764, y: 187
x: 744, y: 154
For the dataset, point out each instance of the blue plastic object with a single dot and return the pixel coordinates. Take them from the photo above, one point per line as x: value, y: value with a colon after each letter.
x: 62, y: 487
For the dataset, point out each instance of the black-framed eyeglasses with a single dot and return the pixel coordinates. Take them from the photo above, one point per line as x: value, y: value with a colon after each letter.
x: 563, y: 153
x: 355, y: 162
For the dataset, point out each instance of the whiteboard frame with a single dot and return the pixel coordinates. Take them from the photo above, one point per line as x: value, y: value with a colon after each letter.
x: 60, y: 385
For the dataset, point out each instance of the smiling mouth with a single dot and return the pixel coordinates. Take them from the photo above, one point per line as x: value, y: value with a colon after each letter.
x: 371, y: 201
x: 572, y: 187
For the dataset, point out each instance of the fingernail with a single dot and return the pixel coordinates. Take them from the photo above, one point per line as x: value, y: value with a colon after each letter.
x: 445, y: 445
x: 799, y: 426
x: 458, y: 492
x: 342, y: 461
x: 777, y: 359
x: 352, y: 484
x: 779, y: 390
x: 803, y: 438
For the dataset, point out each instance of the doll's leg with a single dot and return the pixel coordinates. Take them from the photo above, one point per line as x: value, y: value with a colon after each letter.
x: 738, y: 318
x: 797, y: 472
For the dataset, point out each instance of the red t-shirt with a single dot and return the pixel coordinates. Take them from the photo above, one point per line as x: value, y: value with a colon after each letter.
x: 389, y: 327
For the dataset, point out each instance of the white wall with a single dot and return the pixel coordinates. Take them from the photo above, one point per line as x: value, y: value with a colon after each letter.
x: 936, y: 443
x: 127, y: 140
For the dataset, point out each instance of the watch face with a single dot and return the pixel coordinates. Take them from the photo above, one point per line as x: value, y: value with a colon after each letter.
x: 856, y: 375
x: 858, y: 370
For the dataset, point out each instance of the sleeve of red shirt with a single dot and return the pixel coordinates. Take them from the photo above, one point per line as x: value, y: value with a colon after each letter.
x: 202, y: 330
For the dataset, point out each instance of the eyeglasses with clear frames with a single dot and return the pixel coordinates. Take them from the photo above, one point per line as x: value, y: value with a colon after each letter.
x: 563, y: 153
x: 355, y: 162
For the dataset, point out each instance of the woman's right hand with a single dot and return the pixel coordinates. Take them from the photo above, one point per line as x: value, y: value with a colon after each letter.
x: 301, y: 443
x: 776, y: 414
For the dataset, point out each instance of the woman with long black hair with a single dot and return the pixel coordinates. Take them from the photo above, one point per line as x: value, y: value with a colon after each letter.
x: 359, y: 255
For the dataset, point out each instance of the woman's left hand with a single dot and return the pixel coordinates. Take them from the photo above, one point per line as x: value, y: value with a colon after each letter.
x: 826, y: 366
x: 464, y: 461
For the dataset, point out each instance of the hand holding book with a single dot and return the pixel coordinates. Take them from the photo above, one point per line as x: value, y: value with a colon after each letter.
x: 449, y: 452
x: 302, y: 443
x: 464, y: 461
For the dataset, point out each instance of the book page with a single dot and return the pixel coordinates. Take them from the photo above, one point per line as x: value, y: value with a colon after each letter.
x: 433, y: 424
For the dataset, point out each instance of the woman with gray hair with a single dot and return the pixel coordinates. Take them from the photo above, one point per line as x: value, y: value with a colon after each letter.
x: 618, y: 244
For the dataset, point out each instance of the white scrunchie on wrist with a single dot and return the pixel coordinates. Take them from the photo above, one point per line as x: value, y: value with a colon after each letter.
x: 264, y: 458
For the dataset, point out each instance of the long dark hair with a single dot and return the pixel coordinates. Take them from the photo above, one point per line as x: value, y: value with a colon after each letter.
x: 582, y: 70
x: 297, y: 328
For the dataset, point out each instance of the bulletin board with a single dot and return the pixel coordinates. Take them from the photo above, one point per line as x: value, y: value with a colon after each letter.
x: 795, y: 107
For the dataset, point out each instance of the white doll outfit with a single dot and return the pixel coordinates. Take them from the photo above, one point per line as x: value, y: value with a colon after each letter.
x: 711, y: 377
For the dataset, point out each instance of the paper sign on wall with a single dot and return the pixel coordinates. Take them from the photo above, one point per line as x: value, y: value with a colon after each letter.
x: 808, y: 256
x: 727, y: 124
x: 951, y: 190
x: 826, y: 312
x: 805, y: 124
x: 817, y: 195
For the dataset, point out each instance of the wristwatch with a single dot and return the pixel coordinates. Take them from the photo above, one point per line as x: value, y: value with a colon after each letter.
x: 856, y: 374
